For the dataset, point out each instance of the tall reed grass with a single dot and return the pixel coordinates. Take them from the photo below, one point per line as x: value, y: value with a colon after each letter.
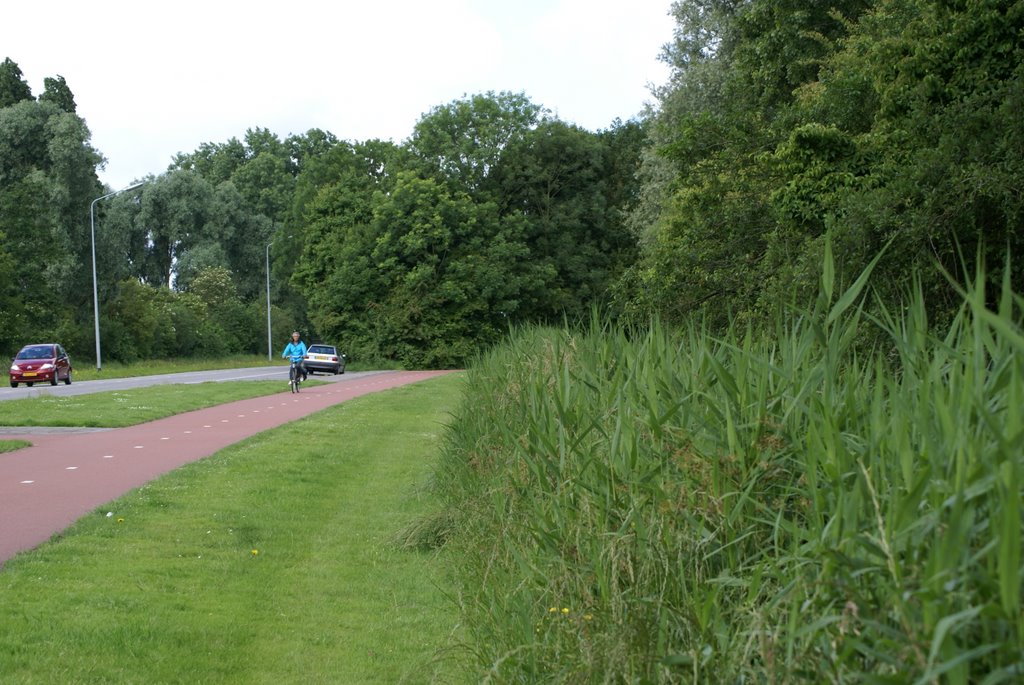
x: 660, y: 506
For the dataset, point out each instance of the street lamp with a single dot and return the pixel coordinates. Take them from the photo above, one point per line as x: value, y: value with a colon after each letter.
x: 269, y: 342
x: 92, y: 230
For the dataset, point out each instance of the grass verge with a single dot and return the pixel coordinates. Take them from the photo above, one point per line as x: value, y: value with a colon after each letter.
x: 11, y: 445
x: 85, y: 371
x: 659, y: 506
x: 156, y: 367
x: 269, y: 562
x: 128, y: 407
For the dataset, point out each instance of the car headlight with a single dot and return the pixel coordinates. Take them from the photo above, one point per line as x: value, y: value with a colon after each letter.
x: 46, y: 367
x: 15, y: 367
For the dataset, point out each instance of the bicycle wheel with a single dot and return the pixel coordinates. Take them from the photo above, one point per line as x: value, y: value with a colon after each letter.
x: 293, y: 379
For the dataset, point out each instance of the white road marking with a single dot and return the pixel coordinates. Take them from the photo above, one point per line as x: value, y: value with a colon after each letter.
x: 139, y: 447
x: 27, y: 482
x: 70, y: 468
x: 108, y: 456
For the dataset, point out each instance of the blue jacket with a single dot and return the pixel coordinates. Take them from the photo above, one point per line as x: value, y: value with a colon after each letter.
x: 295, y: 351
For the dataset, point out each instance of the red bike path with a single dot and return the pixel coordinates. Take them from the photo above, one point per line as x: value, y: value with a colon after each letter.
x: 61, y: 477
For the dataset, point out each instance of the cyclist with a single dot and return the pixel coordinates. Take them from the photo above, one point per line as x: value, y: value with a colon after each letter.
x: 295, y: 350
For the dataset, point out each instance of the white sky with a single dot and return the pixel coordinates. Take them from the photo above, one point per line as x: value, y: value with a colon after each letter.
x: 155, y: 79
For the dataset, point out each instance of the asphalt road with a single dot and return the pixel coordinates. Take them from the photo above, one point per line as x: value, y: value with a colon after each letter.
x: 263, y: 373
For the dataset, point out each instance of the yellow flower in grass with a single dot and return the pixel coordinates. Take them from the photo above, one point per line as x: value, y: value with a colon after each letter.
x: 255, y: 552
x: 565, y: 610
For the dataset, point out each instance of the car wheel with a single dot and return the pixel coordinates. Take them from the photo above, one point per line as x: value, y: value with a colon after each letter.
x: 67, y: 381
x: 28, y: 383
x: 53, y: 381
x: 14, y: 384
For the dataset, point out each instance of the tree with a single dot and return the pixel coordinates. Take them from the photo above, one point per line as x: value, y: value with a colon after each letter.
x: 47, y: 180
x: 176, y: 211
x: 303, y: 148
x: 56, y: 90
x: 462, y: 141
x: 569, y: 187
x: 214, y: 162
x: 247, y: 235
x: 714, y: 240
x: 780, y: 45
x: 370, y: 165
x: 231, y: 322
x: 891, y: 122
x: 13, y: 87
x: 266, y: 184
x: 261, y: 168
x: 334, y: 201
x: 11, y: 307
x: 419, y: 273
x: 449, y: 269
x: 945, y: 141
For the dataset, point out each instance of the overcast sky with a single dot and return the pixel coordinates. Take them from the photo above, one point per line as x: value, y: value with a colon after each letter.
x: 155, y: 79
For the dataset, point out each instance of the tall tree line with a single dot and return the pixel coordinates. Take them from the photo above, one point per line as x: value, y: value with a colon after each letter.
x: 491, y: 214
x: 47, y: 178
x: 892, y: 125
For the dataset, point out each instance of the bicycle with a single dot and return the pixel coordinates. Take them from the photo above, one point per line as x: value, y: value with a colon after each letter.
x: 295, y: 375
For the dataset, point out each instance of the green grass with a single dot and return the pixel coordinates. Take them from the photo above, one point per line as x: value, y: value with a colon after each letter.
x: 11, y: 445
x: 659, y: 506
x: 86, y: 371
x: 272, y: 562
x: 129, y: 407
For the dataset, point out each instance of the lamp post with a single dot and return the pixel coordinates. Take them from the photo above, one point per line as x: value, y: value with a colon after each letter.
x: 269, y: 342
x: 268, y: 301
x: 92, y: 232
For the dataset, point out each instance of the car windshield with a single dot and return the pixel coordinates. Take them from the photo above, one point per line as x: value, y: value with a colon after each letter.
x: 36, y: 352
x: 320, y: 349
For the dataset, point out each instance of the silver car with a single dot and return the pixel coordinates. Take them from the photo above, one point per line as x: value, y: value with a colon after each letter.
x: 324, y: 359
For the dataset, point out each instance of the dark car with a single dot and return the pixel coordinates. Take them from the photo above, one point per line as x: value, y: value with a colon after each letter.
x: 38, y: 363
x: 324, y: 359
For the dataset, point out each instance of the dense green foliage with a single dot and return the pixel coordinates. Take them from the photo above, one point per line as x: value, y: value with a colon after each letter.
x: 649, y: 506
x: 887, y: 121
x: 47, y: 177
x: 417, y: 254
x: 491, y: 213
